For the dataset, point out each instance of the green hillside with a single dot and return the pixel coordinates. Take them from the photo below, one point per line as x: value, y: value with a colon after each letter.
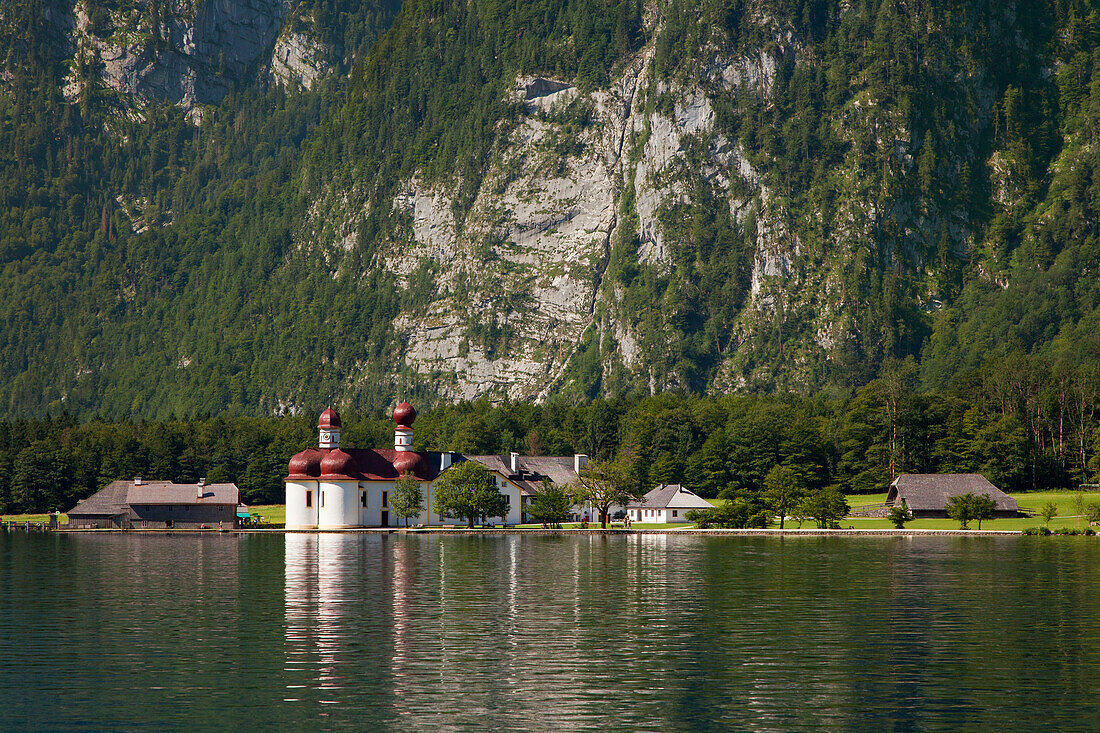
x: 869, y: 181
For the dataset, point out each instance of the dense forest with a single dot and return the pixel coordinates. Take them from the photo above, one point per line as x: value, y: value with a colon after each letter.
x: 927, y: 182
x: 1024, y: 422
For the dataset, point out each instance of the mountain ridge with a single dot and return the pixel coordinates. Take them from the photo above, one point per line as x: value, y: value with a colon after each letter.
x: 566, y: 197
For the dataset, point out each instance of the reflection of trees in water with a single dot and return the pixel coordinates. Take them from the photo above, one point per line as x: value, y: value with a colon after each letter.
x: 651, y: 631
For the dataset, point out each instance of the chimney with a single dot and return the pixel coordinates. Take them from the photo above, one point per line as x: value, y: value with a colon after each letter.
x: 580, y: 460
x: 445, y: 461
x: 202, y: 487
x: 514, y: 462
x: 137, y: 480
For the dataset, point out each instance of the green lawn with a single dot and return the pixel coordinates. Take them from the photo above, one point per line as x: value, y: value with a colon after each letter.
x: 1025, y: 500
x: 855, y: 501
x: 1007, y: 524
x: 272, y: 513
x: 44, y: 518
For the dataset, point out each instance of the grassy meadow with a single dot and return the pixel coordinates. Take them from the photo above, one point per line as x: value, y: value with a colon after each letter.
x: 1031, y: 500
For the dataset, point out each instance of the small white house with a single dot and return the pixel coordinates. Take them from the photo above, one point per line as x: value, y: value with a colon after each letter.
x: 666, y: 504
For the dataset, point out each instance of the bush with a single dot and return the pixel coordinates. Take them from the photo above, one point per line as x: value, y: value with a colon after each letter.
x: 733, y: 514
x: 1046, y: 531
x: 899, y: 515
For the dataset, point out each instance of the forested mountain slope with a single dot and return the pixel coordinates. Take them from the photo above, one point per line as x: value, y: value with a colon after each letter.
x: 534, y: 198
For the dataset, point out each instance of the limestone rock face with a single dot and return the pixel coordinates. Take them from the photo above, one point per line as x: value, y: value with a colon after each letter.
x: 299, y: 60
x: 519, y: 282
x: 186, y: 52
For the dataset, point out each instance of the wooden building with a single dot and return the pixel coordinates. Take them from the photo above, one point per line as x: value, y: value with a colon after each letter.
x: 142, y: 504
x: 927, y: 494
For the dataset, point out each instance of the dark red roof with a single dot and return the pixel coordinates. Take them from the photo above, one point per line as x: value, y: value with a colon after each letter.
x: 330, y: 418
x: 339, y: 464
x: 307, y: 464
x: 404, y: 415
x: 365, y: 463
x: 406, y: 462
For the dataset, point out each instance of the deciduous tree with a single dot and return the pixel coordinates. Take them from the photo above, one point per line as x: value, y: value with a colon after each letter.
x: 1048, y: 512
x: 468, y: 491
x: 551, y: 505
x: 825, y: 506
x: 407, y: 499
x: 899, y: 515
x: 603, y: 484
x: 783, y: 490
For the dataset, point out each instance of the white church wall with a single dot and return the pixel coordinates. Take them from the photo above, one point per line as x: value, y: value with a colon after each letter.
x: 298, y: 515
x: 338, y: 505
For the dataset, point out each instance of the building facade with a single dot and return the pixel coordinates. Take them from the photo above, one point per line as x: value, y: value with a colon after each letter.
x: 330, y: 487
x: 666, y: 504
x: 140, y: 504
x: 927, y: 494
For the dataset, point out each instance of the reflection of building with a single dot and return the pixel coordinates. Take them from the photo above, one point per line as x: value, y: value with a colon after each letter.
x: 157, y: 504
x: 330, y: 487
x: 666, y: 504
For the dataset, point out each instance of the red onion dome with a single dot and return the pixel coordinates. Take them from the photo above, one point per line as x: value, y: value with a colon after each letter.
x: 330, y: 418
x: 306, y: 463
x: 404, y: 415
x: 405, y: 461
x: 338, y: 463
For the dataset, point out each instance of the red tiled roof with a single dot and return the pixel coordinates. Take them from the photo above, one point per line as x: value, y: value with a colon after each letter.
x: 365, y: 463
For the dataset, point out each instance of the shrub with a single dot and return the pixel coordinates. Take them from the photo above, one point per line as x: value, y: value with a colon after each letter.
x: 737, y: 513
x: 899, y: 515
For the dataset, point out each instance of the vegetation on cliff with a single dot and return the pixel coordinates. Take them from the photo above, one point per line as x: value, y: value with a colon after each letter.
x: 927, y: 190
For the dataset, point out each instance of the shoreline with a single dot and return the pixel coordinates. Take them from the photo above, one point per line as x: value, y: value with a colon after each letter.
x: 809, y: 532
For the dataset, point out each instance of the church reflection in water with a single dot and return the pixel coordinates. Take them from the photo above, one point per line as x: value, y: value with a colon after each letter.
x: 431, y: 629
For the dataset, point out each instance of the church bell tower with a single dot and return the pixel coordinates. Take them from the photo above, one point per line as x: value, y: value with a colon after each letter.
x: 328, y: 428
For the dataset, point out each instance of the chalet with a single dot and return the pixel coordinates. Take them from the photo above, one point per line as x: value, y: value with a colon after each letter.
x: 330, y: 487
x: 927, y: 494
x: 666, y: 504
x: 142, y: 504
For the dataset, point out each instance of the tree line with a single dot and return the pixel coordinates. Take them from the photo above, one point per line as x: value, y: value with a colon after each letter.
x: 1025, y: 422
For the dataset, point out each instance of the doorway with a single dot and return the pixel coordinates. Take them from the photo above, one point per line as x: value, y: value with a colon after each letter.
x: 385, y: 518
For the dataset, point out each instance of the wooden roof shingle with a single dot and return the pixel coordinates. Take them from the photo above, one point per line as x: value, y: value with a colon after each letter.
x: 931, y: 491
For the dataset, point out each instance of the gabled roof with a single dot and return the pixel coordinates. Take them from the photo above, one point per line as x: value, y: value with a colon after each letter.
x: 559, y: 469
x: 109, y: 501
x: 530, y: 470
x: 931, y: 491
x: 118, y: 496
x: 166, y: 492
x: 671, y: 496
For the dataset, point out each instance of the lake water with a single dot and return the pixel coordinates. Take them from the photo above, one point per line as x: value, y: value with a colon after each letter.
x: 369, y: 632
